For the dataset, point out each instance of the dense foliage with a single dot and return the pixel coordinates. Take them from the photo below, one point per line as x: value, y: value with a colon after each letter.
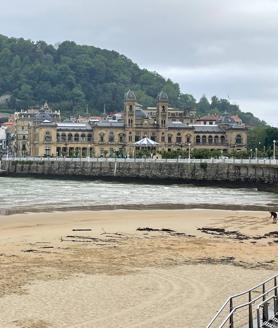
x: 262, y: 139
x: 77, y: 78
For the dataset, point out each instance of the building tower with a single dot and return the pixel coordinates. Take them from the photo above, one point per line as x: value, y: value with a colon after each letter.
x: 129, y: 109
x: 162, y: 110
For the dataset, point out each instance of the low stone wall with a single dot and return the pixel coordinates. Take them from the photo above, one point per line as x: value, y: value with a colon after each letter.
x: 249, y: 174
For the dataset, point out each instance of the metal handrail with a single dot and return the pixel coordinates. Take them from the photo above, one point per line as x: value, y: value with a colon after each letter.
x: 238, y: 295
x: 246, y: 304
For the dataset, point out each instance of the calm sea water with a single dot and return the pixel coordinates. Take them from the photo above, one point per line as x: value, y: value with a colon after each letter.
x: 28, y: 193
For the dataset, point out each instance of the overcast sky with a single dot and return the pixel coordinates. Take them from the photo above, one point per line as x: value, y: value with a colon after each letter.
x: 227, y: 48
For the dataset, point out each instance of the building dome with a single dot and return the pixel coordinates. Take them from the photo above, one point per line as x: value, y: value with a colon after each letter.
x: 139, y: 113
x: 42, y: 116
x: 162, y: 96
x: 130, y: 96
x: 226, y: 118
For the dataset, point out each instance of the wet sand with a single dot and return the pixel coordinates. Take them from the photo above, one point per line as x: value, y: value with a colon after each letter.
x: 95, y: 269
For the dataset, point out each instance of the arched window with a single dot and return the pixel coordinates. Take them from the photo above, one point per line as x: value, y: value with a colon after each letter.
x: 188, y: 138
x: 222, y: 138
x: 178, y: 138
x: 63, y: 137
x: 238, y: 139
x: 70, y: 137
x: 210, y: 140
x: 101, y: 137
x: 84, y: 152
x: 130, y: 137
x: 47, y: 151
x: 121, y: 137
x: 47, y: 137
x: 64, y: 151
x: 216, y: 140
x: 71, y: 152
x: 89, y: 137
x: 76, y: 137
x: 163, y: 109
x: 204, y: 139
x: 130, y: 108
x: 83, y: 137
x: 169, y: 138
x: 58, y: 137
x: 198, y: 140
x: 111, y: 136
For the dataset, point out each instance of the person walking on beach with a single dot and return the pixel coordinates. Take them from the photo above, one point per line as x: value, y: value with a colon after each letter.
x: 273, y: 216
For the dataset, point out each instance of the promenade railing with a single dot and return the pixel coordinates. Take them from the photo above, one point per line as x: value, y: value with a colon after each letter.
x: 253, y: 308
x: 260, y: 161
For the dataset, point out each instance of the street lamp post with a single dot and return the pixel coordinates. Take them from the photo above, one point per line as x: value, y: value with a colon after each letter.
x: 274, y: 146
x: 189, y: 151
x: 256, y: 152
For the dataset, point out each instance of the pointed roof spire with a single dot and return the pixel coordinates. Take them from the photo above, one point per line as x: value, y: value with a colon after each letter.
x: 130, y: 96
x: 162, y: 96
x: 45, y: 106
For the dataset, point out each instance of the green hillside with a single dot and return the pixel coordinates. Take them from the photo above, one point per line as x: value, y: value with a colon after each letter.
x: 75, y: 78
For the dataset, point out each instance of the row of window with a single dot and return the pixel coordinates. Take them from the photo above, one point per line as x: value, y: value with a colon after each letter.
x: 216, y: 140
x: 77, y: 137
x: 63, y: 137
x: 210, y: 140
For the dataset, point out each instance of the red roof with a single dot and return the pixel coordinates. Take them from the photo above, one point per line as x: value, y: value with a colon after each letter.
x: 209, y: 118
x: 236, y: 118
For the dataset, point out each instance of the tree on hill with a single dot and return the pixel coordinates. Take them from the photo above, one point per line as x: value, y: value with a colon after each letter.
x: 73, y: 78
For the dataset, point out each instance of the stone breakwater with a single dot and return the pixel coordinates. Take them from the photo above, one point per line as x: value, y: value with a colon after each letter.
x: 243, y: 174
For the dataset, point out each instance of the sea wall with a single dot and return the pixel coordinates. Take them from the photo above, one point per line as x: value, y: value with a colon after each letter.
x: 204, y: 172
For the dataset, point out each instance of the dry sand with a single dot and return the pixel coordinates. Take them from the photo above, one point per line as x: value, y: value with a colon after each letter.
x: 116, y: 276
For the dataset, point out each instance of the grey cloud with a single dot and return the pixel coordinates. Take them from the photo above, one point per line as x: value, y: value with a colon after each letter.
x: 209, y: 46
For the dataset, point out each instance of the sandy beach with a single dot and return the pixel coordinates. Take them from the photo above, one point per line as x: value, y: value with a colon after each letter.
x: 96, y: 269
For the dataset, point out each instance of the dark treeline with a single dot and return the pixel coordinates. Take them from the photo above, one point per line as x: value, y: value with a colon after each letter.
x: 77, y: 78
x: 262, y: 138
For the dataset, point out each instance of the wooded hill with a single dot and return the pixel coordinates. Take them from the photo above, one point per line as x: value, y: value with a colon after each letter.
x: 75, y: 78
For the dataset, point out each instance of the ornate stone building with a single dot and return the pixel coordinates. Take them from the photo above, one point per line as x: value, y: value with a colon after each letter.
x: 24, y: 121
x: 171, y: 128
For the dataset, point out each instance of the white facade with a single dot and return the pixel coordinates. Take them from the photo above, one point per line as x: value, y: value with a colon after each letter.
x: 3, y: 139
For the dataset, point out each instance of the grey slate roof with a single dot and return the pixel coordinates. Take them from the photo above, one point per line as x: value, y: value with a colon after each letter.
x: 110, y: 124
x: 42, y: 116
x: 140, y: 113
x: 178, y: 125
x: 208, y: 129
x: 236, y: 127
x: 74, y: 126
